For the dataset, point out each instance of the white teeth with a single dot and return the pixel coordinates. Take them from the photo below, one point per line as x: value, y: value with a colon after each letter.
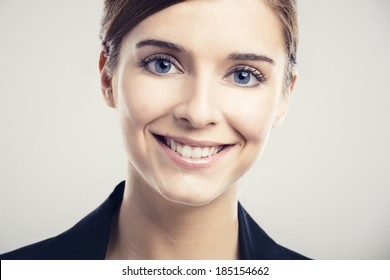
x: 196, y: 153
x: 179, y: 147
x: 205, y: 152
x: 193, y: 152
x: 172, y: 144
x: 186, y: 152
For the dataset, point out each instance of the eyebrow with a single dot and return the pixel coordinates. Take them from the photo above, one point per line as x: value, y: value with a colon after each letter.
x: 179, y: 48
x: 161, y: 44
x: 250, y: 56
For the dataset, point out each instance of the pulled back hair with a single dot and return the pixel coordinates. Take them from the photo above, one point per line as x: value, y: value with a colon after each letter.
x: 121, y: 16
x: 286, y: 10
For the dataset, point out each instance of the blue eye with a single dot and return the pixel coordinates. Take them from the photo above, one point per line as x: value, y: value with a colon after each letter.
x: 245, y: 76
x: 162, y: 66
x: 242, y: 77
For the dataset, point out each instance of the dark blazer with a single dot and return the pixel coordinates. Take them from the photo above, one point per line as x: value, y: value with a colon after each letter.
x: 88, y: 239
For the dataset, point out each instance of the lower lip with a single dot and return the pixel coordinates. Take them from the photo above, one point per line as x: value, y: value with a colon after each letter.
x: 192, y: 163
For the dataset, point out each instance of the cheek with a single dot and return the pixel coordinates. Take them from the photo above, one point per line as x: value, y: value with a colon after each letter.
x: 141, y: 101
x: 252, y: 116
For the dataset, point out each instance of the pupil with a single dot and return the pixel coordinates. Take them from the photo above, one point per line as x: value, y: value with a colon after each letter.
x: 163, y: 66
x: 242, y: 77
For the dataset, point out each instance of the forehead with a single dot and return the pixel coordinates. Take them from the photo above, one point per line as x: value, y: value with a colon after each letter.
x: 216, y: 26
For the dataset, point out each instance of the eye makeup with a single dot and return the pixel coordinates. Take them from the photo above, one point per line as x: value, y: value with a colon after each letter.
x: 165, y: 64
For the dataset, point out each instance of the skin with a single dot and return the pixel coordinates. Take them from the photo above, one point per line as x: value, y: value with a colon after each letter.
x: 173, y: 210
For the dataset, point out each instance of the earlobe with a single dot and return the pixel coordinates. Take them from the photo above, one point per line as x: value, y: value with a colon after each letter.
x: 285, y: 101
x: 106, y: 80
x: 293, y: 81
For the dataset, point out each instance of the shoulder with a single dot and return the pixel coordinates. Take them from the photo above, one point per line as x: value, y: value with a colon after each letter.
x: 43, y: 250
x: 86, y: 240
x: 255, y: 243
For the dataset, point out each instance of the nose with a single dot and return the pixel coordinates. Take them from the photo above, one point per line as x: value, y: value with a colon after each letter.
x: 200, y: 107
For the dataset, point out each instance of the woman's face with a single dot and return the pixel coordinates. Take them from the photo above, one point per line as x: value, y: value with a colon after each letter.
x: 198, y: 87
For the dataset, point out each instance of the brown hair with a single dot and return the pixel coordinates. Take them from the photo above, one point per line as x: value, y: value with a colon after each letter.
x: 286, y: 10
x: 121, y: 16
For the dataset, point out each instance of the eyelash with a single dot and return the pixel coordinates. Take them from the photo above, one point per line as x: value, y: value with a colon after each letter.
x: 143, y: 63
x: 260, y: 77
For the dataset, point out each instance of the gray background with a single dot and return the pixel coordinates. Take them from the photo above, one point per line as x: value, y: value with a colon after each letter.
x: 320, y: 188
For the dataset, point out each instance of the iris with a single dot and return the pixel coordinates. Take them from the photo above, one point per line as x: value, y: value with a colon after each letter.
x: 242, y: 77
x: 162, y: 66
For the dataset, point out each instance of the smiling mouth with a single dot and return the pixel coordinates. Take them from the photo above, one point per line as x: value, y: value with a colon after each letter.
x: 190, y: 151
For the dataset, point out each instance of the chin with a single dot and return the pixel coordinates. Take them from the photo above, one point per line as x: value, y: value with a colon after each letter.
x: 191, y: 195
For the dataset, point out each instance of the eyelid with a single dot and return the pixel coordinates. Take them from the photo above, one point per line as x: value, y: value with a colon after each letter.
x: 145, y: 61
x: 257, y: 74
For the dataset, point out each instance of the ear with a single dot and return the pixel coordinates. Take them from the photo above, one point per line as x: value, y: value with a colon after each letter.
x: 106, y: 80
x: 284, y: 101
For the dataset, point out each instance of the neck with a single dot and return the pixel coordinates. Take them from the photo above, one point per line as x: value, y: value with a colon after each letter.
x: 149, y: 226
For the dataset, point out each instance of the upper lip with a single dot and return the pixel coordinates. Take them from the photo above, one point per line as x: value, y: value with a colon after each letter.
x: 192, y: 142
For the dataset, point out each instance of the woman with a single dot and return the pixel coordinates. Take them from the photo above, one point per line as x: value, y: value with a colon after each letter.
x: 197, y: 86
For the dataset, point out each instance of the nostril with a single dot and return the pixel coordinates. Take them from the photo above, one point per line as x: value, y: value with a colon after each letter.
x: 196, y: 123
x: 198, y: 112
